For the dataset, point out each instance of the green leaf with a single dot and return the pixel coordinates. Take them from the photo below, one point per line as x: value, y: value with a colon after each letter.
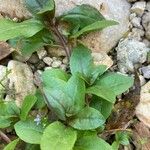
x: 87, y: 119
x: 57, y: 136
x: 10, y: 29
x: 28, y: 103
x: 29, y: 131
x: 29, y: 45
x: 96, y: 72
x: 40, y: 103
x: 40, y: 6
x: 102, y: 92
x: 12, y: 145
x: 75, y: 95
x: 122, y: 137
x: 54, y: 78
x: 8, y: 113
x: 32, y: 147
x: 116, y: 82
x: 102, y: 105
x: 90, y: 141
x: 56, y: 102
x: 81, y: 60
x: 66, y: 99
x: 81, y: 16
x: 99, y: 25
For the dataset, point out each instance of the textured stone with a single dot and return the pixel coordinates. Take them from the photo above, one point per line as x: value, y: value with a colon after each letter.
x: 20, y: 81
x: 56, y: 63
x: 3, y: 80
x: 48, y: 60
x: 129, y: 53
x: 102, y: 59
x: 146, y: 24
x: 138, y: 8
x: 143, y: 109
x: 14, y: 8
x: 146, y: 72
x: 42, y: 53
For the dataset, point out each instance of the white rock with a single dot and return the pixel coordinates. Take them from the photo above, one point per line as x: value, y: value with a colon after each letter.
x: 138, y: 8
x: 47, y: 68
x: 56, y: 63
x: 48, y: 61
x: 136, y: 34
x: 132, y: 0
x: 129, y: 53
x: 20, y: 81
x: 142, y: 80
x: 63, y: 67
x: 42, y: 53
x: 136, y: 22
x: 146, y: 72
x: 146, y: 42
x: 102, y: 59
x: 3, y: 80
x: 146, y: 24
x: 65, y: 60
x: 132, y: 15
x: 143, y: 109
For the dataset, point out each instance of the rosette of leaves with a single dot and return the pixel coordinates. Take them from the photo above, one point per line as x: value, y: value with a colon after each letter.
x: 42, y: 29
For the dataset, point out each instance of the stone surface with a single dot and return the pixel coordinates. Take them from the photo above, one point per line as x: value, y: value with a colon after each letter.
x: 42, y: 53
x: 138, y: 8
x: 48, y: 61
x: 20, y: 81
x: 5, y: 50
x: 3, y: 80
x: 129, y: 53
x: 146, y: 72
x: 14, y: 8
x: 143, y: 109
x: 56, y: 63
x: 146, y: 24
x: 102, y: 59
x: 136, y: 22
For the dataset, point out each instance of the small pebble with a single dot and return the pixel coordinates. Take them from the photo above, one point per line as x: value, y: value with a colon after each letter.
x: 146, y: 72
x: 47, y: 68
x: 142, y: 80
x: 48, y: 61
x: 33, y: 59
x: 42, y: 53
x: 63, y: 67
x: 65, y: 60
x: 56, y: 63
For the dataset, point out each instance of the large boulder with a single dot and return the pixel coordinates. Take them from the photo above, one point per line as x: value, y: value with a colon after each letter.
x: 117, y: 10
x: 20, y: 81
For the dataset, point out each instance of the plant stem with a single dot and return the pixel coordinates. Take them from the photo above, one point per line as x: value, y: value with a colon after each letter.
x: 64, y: 43
x: 4, y: 137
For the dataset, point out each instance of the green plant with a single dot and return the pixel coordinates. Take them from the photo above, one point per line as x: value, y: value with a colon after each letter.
x: 80, y: 101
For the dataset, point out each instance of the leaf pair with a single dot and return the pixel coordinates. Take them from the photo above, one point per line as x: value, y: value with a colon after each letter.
x: 57, y: 136
x: 65, y: 97
x: 83, y: 19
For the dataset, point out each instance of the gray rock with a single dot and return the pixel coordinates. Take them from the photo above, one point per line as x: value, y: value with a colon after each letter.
x: 129, y: 53
x: 33, y: 59
x: 139, y: 8
x: 136, y: 22
x: 65, y: 60
x: 142, y: 80
x: 132, y: 0
x: 148, y: 6
x: 20, y: 81
x: 136, y: 34
x: 146, y: 42
x: 146, y: 72
x: 146, y: 24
